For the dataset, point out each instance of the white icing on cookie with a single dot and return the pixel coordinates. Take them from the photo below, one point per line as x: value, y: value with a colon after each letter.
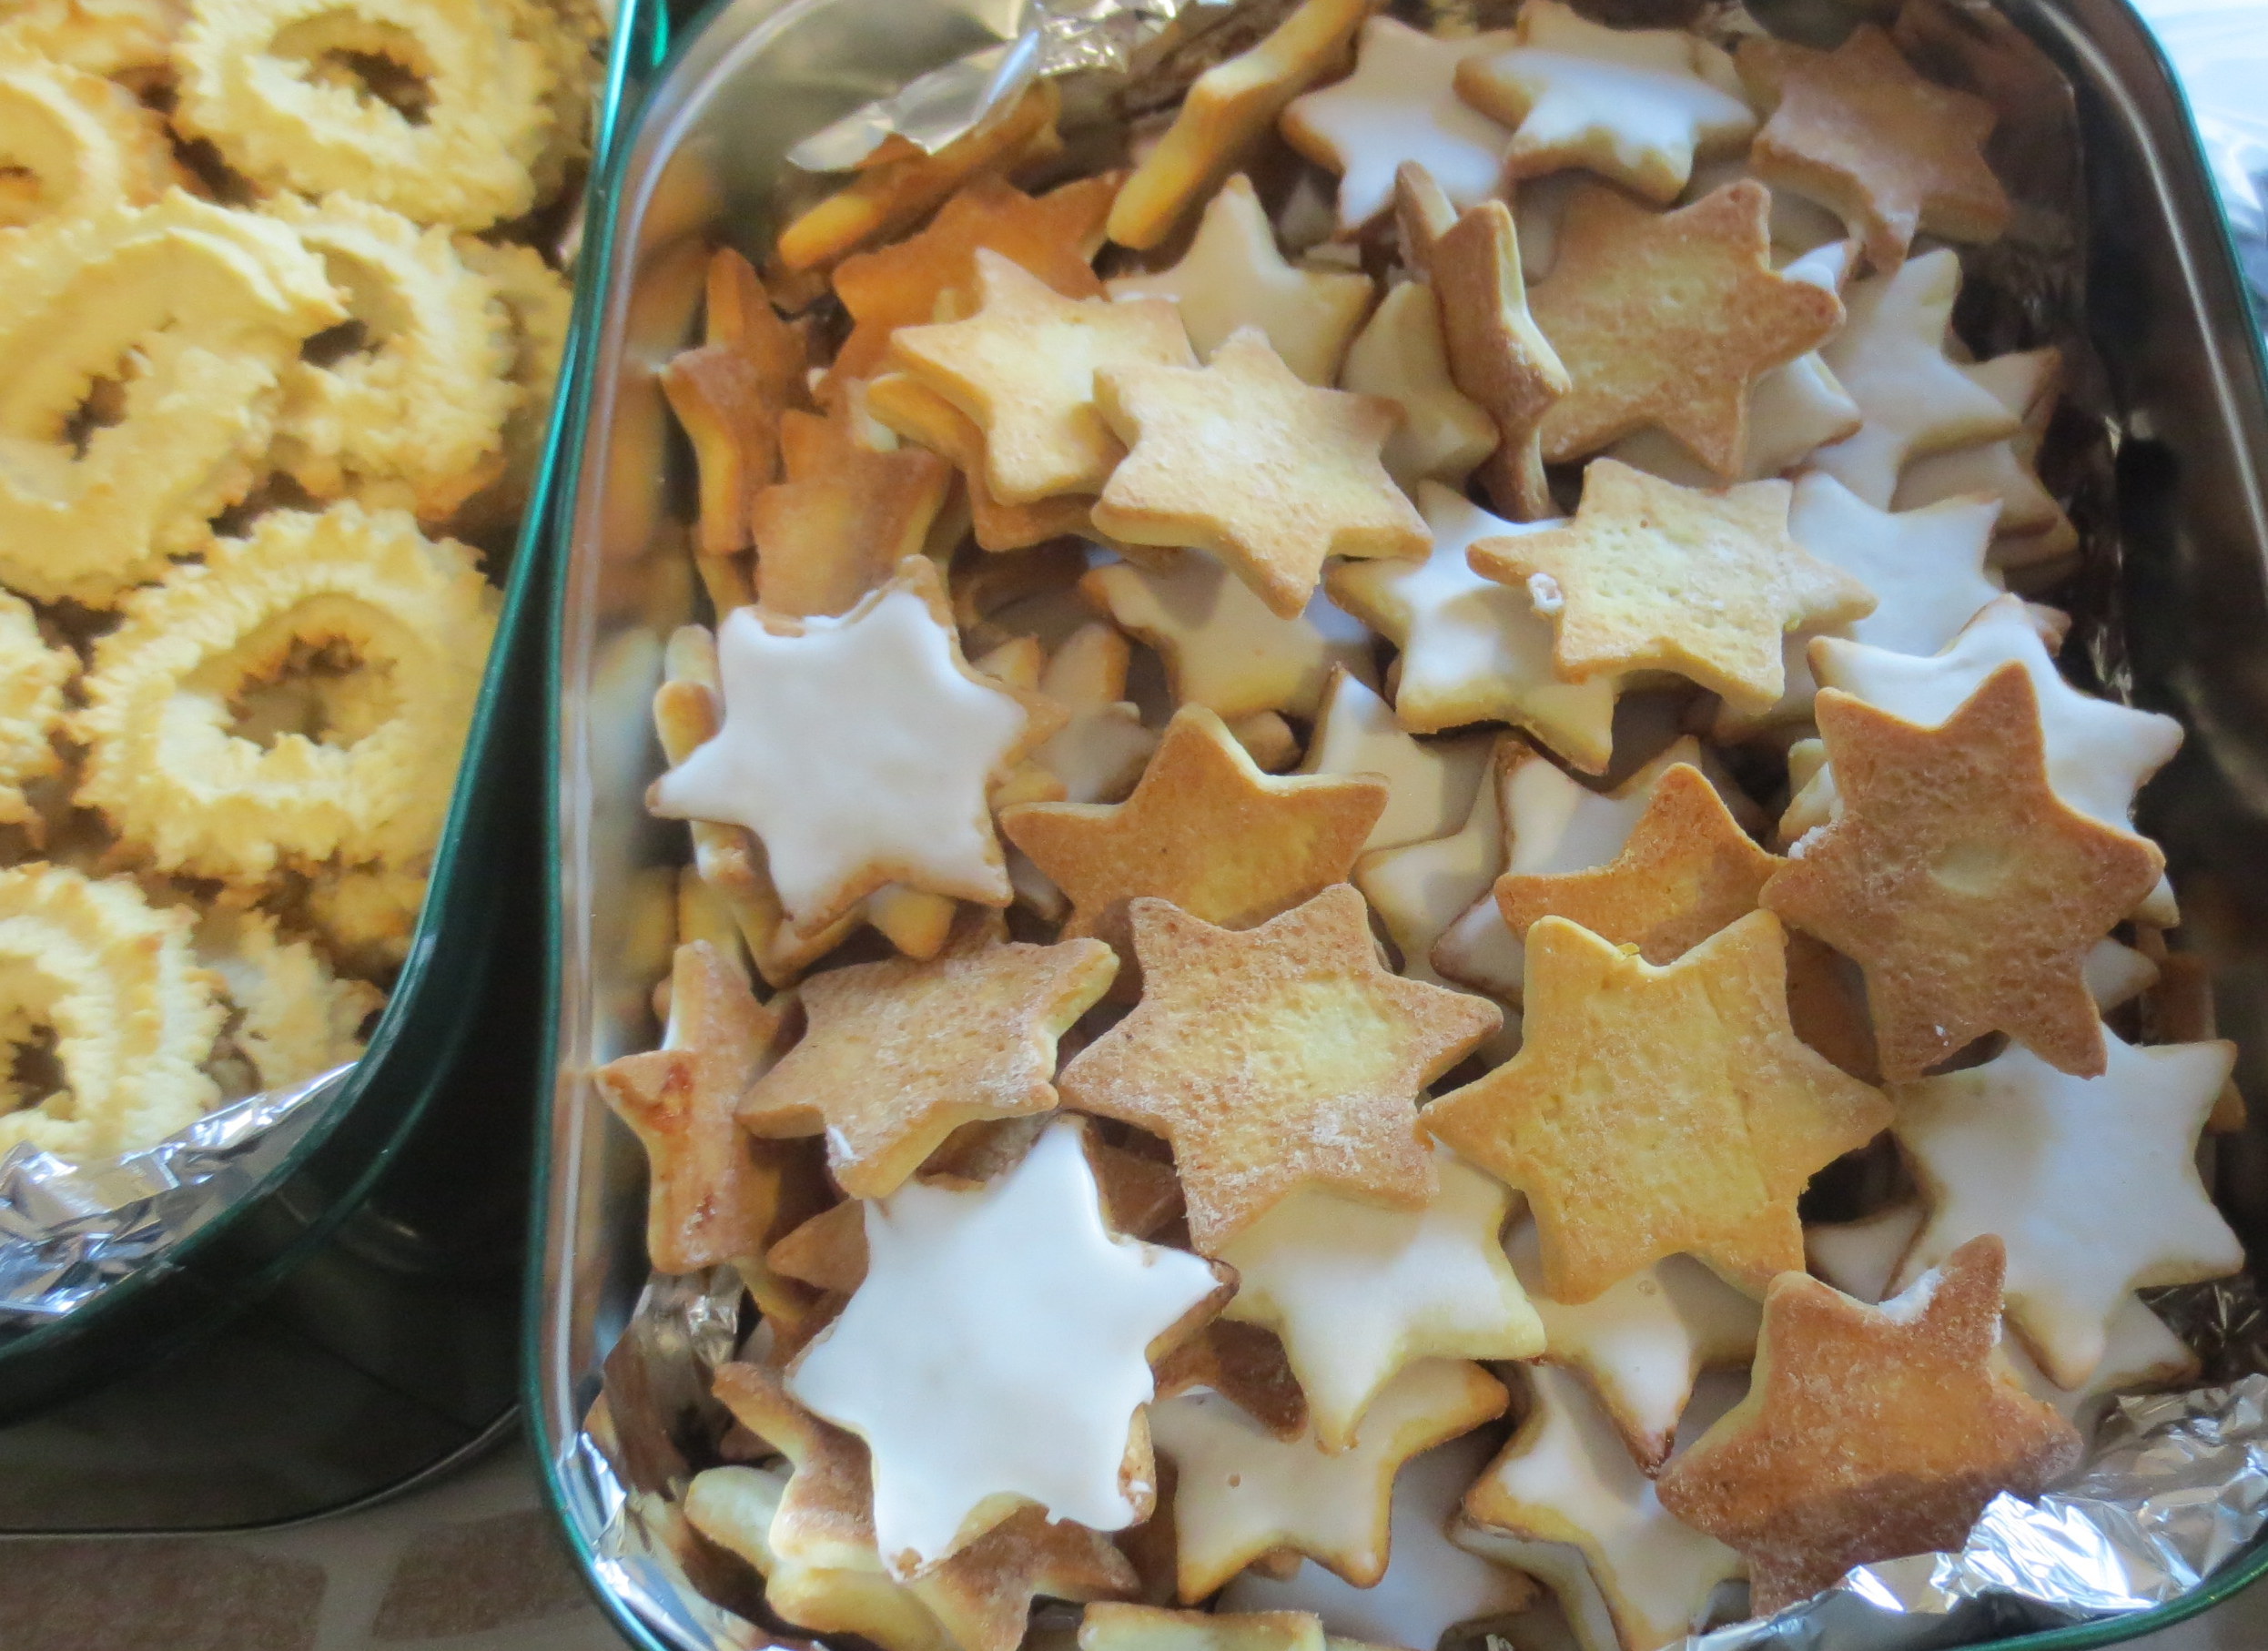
x: 849, y: 744
x: 2117, y: 973
x: 1430, y: 783
x: 996, y: 1350
x: 1430, y: 1586
x: 1233, y: 275
x: 1399, y: 105
x: 1995, y: 470
x: 1356, y: 1292
x: 2091, y: 1182
x: 1398, y: 354
x: 1099, y: 752
x: 1642, y: 1343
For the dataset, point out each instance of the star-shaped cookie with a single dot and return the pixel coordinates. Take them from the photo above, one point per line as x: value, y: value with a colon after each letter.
x: 845, y: 516
x: 1204, y: 830
x: 1890, y: 357
x: 1653, y: 576
x: 897, y: 1055
x: 1055, y: 236
x: 1497, y: 354
x: 1400, y: 104
x: 1667, y: 319
x: 1241, y: 460
x: 2027, y: 382
x: 1223, y: 647
x: 2091, y: 1182
x: 1277, y: 1059
x: 1868, y: 1432
x: 1697, y: 1139
x: 1967, y: 891
x: 1420, y: 889
x: 1025, y: 369
x: 1429, y: 784
x: 1111, y: 1626
x: 1856, y: 130
x: 1564, y: 1477
x: 918, y: 414
x: 998, y: 1354
x: 1357, y: 1292
x: 857, y: 749
x: 1400, y: 354
x: 1103, y: 748
x: 728, y: 392
x: 1642, y: 1345
x: 1431, y: 1585
x: 1233, y: 276
x: 709, y: 1197
x: 1241, y: 1492
x: 1631, y: 104
x: 1474, y: 649
x: 1687, y: 871
x: 1228, y: 108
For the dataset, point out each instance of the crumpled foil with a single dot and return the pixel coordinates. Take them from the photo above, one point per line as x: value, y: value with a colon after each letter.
x: 68, y: 1231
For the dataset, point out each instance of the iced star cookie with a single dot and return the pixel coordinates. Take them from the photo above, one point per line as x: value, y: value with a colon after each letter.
x: 972, y: 1298
x: 1430, y: 784
x: 1401, y: 354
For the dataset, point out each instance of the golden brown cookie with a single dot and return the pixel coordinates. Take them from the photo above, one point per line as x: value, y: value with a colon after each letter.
x: 729, y: 392
x: 1243, y: 1362
x: 844, y: 517
x: 921, y: 415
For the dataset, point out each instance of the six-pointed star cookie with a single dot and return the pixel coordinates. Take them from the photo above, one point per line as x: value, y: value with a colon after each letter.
x: 1401, y: 354
x: 998, y: 1354
x: 1565, y: 1478
x: 1858, y: 130
x: 1966, y: 890
x: 1698, y: 1136
x: 2091, y: 1182
x: 1357, y: 1292
x: 1687, y: 871
x: 1642, y: 1345
x: 1868, y: 1432
x: 1204, y: 830
x: 1053, y: 236
x: 844, y: 517
x: 1239, y: 1492
x: 1653, y: 576
x: 1233, y: 276
x: 1667, y: 319
x: 1632, y: 105
x: 709, y: 1197
x: 857, y: 749
x: 1277, y: 1059
x: 1400, y: 104
x: 1240, y: 459
x: 1025, y: 368
x: 897, y: 1055
x: 1430, y: 783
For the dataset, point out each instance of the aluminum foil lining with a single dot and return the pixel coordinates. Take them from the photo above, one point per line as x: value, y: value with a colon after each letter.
x: 68, y: 1231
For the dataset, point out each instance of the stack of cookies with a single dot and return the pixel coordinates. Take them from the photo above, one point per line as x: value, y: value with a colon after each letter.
x: 1388, y: 911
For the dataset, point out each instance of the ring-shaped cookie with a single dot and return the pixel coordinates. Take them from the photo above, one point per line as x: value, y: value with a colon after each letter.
x: 72, y: 143
x: 117, y: 985
x: 32, y: 675
x: 265, y: 80
x: 411, y: 616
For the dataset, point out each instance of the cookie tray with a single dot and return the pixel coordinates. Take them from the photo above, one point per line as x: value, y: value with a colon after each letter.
x: 2178, y: 370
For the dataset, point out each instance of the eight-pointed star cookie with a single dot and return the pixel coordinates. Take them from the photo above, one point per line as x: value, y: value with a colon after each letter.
x: 1968, y: 894
x: 1241, y: 460
x: 1474, y: 649
x: 1686, y: 872
x: 1631, y: 104
x: 1204, y: 830
x: 710, y: 1197
x: 2091, y: 1182
x: 1232, y: 277
x: 1400, y: 104
x: 1868, y: 1432
x: 1357, y: 1292
x: 997, y: 1354
x: 1053, y: 236
x: 844, y: 517
x: 858, y: 750
x: 1695, y: 1138
x: 1241, y: 1492
x: 1653, y: 576
x: 1667, y: 319
x: 897, y: 1055
x: 1858, y: 130
x: 1026, y: 367
x: 1277, y: 1059
x: 1564, y: 1478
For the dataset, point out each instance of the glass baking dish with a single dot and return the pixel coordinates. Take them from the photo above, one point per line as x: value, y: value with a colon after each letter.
x: 696, y: 164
